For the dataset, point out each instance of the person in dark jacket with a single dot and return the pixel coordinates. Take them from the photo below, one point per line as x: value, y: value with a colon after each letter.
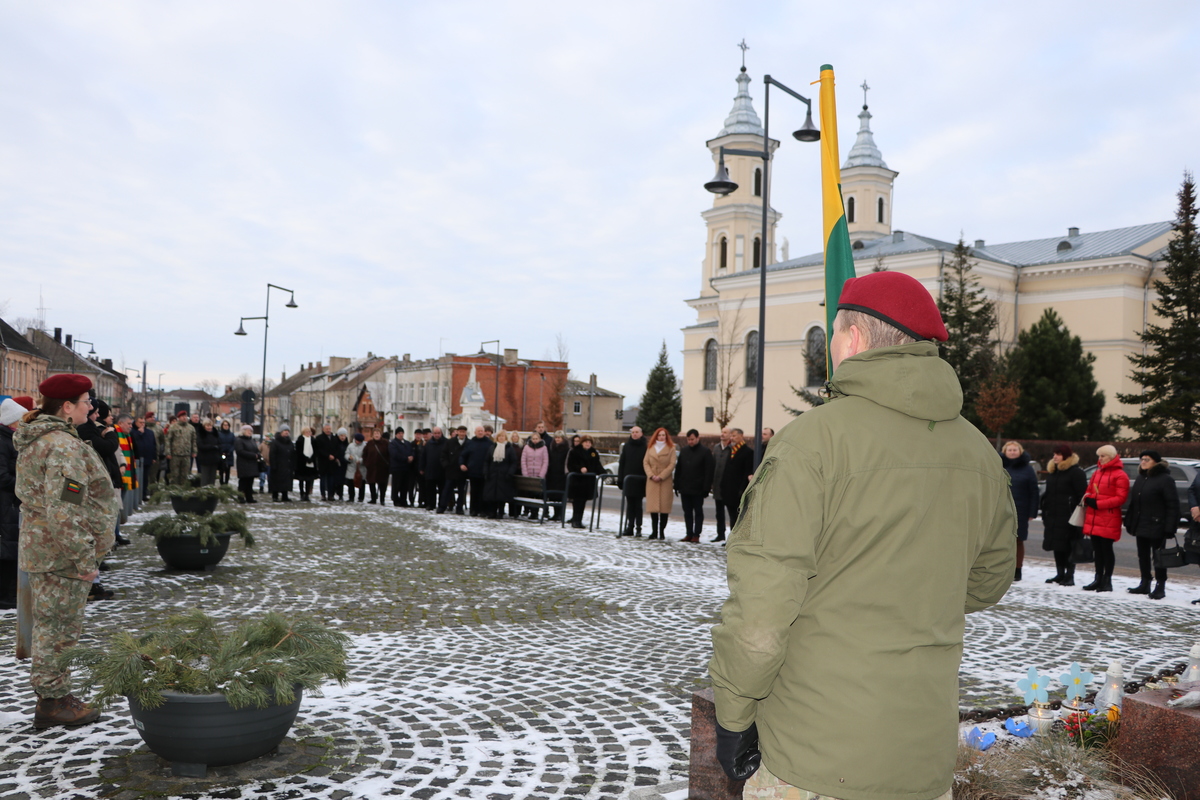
x: 1065, y: 486
x: 1024, y: 485
x: 503, y: 462
x: 1152, y: 517
x: 693, y: 480
x: 454, y: 481
x: 738, y: 471
x: 11, y: 413
x: 208, y: 453
x: 473, y: 464
x: 720, y: 453
x: 631, y: 477
x: 306, y: 463
x: 145, y: 444
x: 376, y: 459
x: 227, y: 437
x: 556, y: 472
x: 99, y: 432
x: 433, y: 475
x: 583, y: 462
x: 282, y: 463
x: 400, y: 462
x: 341, y: 444
x: 329, y: 468
x: 245, y: 451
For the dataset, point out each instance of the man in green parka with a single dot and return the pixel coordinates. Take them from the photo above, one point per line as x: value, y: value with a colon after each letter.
x: 873, y: 525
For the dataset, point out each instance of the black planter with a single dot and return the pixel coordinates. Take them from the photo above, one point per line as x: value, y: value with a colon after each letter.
x: 194, y: 505
x: 185, y: 552
x: 197, y: 731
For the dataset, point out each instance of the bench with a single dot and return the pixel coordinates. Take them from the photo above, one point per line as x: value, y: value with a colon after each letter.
x: 531, y: 491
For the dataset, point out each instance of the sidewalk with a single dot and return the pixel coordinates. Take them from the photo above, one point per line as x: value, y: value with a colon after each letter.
x: 500, y: 660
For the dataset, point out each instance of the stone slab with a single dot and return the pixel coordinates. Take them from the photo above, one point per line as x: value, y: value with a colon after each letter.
x: 1161, y: 739
x: 706, y: 779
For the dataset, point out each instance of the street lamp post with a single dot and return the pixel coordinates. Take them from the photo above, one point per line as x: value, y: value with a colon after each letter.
x: 496, y: 410
x: 91, y: 351
x: 158, y: 405
x: 266, y: 318
x: 722, y: 185
x: 136, y: 372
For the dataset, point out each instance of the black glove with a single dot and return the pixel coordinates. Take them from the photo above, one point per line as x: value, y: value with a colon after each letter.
x: 738, y: 752
x: 1090, y: 502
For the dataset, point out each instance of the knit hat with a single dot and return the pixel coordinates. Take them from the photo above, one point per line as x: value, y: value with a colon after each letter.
x: 1152, y: 453
x: 343, y: 432
x: 1064, y: 450
x: 284, y: 427
x: 899, y: 300
x: 358, y: 437
x: 25, y: 401
x: 64, y: 387
x: 11, y: 411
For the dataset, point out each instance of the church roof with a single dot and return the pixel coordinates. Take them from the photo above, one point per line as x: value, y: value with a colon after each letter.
x: 742, y: 118
x: 864, y: 153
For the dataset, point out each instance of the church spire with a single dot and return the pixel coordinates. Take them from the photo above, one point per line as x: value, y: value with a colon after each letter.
x: 864, y: 153
x: 742, y: 118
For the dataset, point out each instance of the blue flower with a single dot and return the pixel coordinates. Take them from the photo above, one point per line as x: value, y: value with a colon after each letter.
x: 1076, y: 680
x: 979, y: 740
x: 1034, y: 687
x: 1021, y: 729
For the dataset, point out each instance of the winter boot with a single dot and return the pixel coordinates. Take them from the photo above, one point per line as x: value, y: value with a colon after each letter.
x: 1141, y: 588
x: 66, y: 710
x: 1068, y: 578
x: 654, y: 526
x: 1096, y: 583
x: 1160, y: 590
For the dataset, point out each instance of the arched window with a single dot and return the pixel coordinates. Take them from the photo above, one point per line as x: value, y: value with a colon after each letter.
x: 752, y: 358
x: 880, y: 210
x: 724, y: 256
x: 710, y: 366
x: 757, y: 252
x: 758, y: 181
x: 814, y: 357
x: 849, y: 209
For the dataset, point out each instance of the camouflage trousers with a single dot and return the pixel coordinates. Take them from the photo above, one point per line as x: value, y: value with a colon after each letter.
x: 58, y: 605
x: 762, y: 785
x: 181, y: 467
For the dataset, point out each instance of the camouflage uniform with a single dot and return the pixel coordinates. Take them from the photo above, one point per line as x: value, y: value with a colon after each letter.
x: 181, y: 449
x: 68, y: 511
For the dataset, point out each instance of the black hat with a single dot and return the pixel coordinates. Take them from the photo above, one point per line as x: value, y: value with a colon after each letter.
x: 1152, y: 453
x: 102, y: 409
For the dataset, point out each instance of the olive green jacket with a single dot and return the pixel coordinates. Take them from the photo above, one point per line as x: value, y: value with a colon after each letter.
x: 69, y: 507
x: 875, y: 522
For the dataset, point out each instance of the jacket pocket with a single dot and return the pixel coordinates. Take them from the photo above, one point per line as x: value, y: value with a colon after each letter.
x: 746, y: 529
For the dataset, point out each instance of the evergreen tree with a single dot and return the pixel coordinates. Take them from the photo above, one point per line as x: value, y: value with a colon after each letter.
x: 661, y: 405
x: 1169, y: 372
x: 971, y: 321
x: 1058, y: 394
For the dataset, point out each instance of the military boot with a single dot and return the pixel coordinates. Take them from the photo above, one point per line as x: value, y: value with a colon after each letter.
x: 66, y: 710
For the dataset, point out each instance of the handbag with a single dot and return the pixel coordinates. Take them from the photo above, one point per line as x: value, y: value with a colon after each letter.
x: 1170, y: 557
x: 1078, y: 515
x: 1191, y: 539
x: 1082, y: 551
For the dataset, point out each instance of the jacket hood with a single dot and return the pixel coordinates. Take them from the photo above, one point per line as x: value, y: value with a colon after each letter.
x: 29, y: 432
x: 909, y: 378
x: 1064, y: 465
x: 1022, y: 460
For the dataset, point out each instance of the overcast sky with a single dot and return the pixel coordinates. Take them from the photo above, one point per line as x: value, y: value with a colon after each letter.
x: 427, y: 176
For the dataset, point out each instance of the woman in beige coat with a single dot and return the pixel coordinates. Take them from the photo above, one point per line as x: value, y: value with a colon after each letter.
x: 660, y: 467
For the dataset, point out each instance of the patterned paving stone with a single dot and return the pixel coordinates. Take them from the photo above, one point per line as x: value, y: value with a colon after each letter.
x: 494, y: 659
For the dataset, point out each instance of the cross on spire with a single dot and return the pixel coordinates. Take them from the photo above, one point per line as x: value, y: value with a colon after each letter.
x: 865, y: 89
x: 744, y: 47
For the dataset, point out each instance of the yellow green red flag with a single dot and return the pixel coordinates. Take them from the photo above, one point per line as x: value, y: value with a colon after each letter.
x: 839, y: 258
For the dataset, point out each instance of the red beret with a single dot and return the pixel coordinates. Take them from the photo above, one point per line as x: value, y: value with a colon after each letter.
x: 149, y: 415
x: 180, y: 413
x: 25, y: 401
x: 64, y: 387
x: 899, y: 300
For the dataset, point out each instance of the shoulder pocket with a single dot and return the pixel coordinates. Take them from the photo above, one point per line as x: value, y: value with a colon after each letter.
x: 73, y: 492
x: 746, y: 531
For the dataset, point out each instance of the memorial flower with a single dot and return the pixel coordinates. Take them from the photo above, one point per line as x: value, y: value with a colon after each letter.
x: 1076, y: 680
x: 980, y: 740
x: 1034, y: 687
x: 1020, y: 729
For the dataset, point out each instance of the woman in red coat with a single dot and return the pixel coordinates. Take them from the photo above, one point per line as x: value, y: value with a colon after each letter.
x: 1105, y: 495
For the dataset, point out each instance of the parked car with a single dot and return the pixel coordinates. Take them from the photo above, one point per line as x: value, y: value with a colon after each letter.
x: 1183, y: 470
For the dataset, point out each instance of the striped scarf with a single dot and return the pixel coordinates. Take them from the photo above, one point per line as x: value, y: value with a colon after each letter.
x: 734, y: 450
x: 128, y: 471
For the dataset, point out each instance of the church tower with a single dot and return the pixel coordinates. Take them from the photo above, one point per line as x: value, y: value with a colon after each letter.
x: 867, y: 184
x: 735, y: 220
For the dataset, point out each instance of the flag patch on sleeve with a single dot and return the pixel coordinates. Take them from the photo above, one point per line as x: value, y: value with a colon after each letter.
x: 72, y: 492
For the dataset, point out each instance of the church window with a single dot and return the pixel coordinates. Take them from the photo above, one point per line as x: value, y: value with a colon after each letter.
x: 710, y: 366
x: 724, y: 252
x: 752, y: 358
x: 758, y: 181
x: 849, y: 209
x: 880, y: 220
x: 757, y: 252
x: 814, y: 356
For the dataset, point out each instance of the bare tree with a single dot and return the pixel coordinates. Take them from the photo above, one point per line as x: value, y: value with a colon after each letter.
x: 210, y: 385
x: 730, y: 366
x: 26, y: 324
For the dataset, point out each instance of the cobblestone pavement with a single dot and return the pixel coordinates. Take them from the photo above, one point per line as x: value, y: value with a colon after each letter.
x: 497, y: 659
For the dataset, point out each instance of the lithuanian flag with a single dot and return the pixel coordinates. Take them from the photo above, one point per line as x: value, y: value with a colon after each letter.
x: 839, y: 260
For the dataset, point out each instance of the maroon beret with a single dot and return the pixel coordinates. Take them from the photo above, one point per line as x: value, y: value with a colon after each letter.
x: 64, y: 387
x: 149, y: 415
x: 899, y: 300
x: 25, y: 401
x: 180, y: 413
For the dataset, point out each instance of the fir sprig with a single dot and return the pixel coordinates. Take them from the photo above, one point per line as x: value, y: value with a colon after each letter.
x: 206, y: 527
x: 223, y: 493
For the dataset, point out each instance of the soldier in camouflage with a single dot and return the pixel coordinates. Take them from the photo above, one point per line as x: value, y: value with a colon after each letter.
x: 69, y: 509
x: 181, y: 449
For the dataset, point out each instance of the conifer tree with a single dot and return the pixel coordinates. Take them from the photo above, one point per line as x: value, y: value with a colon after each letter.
x: 1169, y: 372
x: 971, y: 322
x: 661, y: 405
x: 1058, y: 394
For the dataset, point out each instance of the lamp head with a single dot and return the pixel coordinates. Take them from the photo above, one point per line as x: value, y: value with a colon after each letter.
x: 720, y: 184
x: 808, y: 131
x: 240, y: 331
x: 291, y: 303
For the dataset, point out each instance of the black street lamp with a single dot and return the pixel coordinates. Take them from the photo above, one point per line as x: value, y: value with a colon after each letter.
x: 266, y: 318
x: 91, y: 352
x: 722, y: 185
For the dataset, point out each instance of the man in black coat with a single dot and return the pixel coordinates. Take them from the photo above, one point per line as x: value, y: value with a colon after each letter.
x: 329, y: 469
x: 454, y: 481
x: 693, y: 482
x: 737, y: 475
x: 631, y: 477
x: 432, y: 472
x: 400, y: 457
x: 473, y: 463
